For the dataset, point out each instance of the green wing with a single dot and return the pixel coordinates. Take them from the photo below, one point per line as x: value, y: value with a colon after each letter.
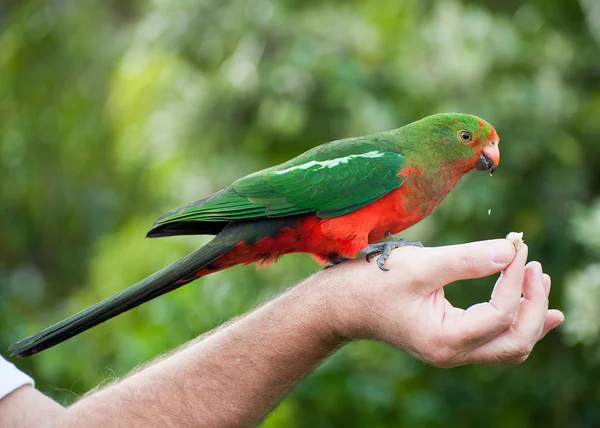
x: 329, y: 180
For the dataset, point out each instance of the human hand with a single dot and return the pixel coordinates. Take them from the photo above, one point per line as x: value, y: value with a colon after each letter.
x: 406, y: 306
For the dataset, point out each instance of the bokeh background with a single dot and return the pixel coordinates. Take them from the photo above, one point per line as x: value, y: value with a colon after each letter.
x: 113, y: 112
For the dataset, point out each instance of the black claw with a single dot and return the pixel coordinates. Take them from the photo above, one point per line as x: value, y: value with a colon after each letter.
x: 380, y: 263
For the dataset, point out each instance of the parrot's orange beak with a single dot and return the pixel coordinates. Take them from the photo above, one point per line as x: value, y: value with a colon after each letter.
x: 489, y: 159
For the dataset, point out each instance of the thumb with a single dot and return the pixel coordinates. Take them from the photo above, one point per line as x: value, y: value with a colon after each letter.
x: 438, y: 266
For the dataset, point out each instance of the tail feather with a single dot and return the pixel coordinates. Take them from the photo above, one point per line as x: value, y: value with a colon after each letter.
x: 169, y: 278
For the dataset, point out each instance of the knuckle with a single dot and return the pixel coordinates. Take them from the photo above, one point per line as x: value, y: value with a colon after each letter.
x: 516, y: 352
x: 522, y: 349
x: 458, y: 339
x: 516, y: 360
x: 504, y: 318
x: 440, y: 356
x: 522, y: 359
x: 525, y: 349
x: 446, y: 364
x: 418, y: 278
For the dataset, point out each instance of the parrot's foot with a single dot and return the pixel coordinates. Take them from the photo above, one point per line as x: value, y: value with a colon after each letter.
x: 385, y: 248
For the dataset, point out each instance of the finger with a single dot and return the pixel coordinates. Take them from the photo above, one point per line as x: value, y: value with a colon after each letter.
x: 507, y: 291
x: 474, y: 327
x: 502, y: 351
x: 505, y: 348
x: 554, y: 318
x: 514, y: 344
x: 432, y: 268
x: 482, y: 322
x: 547, y: 284
x: 532, y: 310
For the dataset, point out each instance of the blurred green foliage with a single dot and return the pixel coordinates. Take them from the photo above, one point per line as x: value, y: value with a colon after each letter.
x: 114, y: 112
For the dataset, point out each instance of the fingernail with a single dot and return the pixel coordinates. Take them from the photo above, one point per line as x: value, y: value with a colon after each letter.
x: 501, y: 252
x: 537, y: 269
x: 546, y: 280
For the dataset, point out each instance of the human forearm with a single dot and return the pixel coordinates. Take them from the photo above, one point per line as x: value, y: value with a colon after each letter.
x: 28, y: 407
x: 232, y: 377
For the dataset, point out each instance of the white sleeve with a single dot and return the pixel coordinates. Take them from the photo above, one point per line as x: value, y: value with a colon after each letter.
x: 11, y: 378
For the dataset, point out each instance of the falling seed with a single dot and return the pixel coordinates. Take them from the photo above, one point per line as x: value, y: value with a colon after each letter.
x: 490, y: 211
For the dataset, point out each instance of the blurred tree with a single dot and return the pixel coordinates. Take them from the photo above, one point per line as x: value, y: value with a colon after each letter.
x: 114, y: 112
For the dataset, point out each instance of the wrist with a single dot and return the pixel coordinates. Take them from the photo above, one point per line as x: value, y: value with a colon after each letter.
x: 319, y: 309
x: 337, y: 305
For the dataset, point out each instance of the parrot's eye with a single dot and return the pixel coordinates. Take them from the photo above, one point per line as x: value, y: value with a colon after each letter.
x: 465, y: 136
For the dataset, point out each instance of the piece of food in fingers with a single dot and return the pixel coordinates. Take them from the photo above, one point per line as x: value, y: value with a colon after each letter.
x: 516, y: 238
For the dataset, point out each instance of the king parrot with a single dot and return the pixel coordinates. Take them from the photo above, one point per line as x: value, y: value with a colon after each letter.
x: 332, y: 202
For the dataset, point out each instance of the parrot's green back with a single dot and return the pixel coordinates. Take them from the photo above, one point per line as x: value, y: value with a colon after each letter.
x: 330, y: 180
